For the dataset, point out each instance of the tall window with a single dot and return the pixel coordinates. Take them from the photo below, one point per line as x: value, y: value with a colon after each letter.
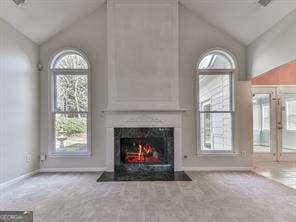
x: 70, y: 74
x: 215, y: 102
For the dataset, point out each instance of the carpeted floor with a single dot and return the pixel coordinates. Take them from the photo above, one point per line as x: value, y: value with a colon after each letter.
x: 211, y: 196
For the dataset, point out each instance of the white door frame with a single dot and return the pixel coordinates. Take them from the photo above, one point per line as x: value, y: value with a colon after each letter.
x: 276, y: 112
x: 281, y: 91
x: 272, y: 155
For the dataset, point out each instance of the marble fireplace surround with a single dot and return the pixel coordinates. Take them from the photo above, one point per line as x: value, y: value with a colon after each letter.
x: 143, y: 119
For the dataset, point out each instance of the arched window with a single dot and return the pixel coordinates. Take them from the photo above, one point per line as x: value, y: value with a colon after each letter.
x: 215, y: 101
x: 70, y: 113
x: 217, y: 59
x: 69, y: 59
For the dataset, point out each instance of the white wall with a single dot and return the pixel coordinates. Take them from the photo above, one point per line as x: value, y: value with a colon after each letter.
x: 19, y: 102
x: 274, y: 48
x: 196, y: 36
x: 89, y: 35
x: 143, y: 54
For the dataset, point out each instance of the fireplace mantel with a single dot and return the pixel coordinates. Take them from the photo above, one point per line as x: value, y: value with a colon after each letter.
x: 181, y: 110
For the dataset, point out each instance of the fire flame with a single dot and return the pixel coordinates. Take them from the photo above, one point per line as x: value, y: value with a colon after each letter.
x: 146, y: 153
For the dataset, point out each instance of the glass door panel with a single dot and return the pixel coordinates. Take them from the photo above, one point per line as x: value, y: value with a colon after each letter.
x: 274, y: 123
x: 288, y: 128
x: 261, y: 123
x: 264, y: 124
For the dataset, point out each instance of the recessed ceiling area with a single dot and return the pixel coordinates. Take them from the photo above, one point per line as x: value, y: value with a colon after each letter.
x: 245, y: 20
x: 41, y: 19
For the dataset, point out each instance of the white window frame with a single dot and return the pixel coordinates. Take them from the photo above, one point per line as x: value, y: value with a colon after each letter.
x: 232, y: 72
x: 53, y: 74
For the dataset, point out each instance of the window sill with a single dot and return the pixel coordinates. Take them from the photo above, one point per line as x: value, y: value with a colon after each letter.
x: 66, y: 155
x: 219, y: 154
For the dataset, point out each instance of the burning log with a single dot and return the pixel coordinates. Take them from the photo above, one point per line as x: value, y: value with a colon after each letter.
x: 145, y: 154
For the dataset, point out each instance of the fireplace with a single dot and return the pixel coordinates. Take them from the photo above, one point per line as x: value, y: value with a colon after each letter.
x: 143, y: 127
x: 143, y: 146
x: 143, y: 149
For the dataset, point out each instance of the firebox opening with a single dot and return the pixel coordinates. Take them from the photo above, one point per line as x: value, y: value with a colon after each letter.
x: 142, y: 150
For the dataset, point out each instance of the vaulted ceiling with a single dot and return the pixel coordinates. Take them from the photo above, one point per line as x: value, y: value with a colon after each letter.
x: 245, y: 20
x: 41, y: 19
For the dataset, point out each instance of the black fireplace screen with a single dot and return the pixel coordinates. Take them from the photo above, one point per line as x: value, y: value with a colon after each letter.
x: 149, y: 149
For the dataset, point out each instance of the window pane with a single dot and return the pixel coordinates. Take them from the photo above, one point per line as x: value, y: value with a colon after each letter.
x: 217, y: 60
x: 289, y: 123
x: 71, y: 93
x: 261, y: 123
x: 216, y: 131
x: 256, y: 117
x: 71, y: 133
x: 70, y: 61
x: 217, y: 89
x: 205, y: 63
x: 291, y: 113
x: 265, y: 117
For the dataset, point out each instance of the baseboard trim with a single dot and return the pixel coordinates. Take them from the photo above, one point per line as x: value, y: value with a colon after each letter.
x: 217, y: 168
x: 73, y: 170
x: 18, y: 179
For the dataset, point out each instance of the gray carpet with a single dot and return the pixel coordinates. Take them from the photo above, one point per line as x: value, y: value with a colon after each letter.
x: 211, y: 196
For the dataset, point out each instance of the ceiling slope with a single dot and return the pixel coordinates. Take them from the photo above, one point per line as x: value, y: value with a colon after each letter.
x: 41, y: 19
x: 243, y: 19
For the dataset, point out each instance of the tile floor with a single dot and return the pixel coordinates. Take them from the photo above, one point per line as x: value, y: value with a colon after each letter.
x: 283, y: 172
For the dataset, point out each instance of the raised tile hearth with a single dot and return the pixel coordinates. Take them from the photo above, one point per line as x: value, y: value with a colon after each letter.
x: 144, y: 176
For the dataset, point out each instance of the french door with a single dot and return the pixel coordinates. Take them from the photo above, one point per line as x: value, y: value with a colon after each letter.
x: 274, y: 123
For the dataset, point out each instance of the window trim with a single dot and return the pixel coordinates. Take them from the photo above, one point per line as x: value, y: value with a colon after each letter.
x: 233, y: 72
x: 229, y: 56
x: 52, y: 95
x: 64, y: 51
